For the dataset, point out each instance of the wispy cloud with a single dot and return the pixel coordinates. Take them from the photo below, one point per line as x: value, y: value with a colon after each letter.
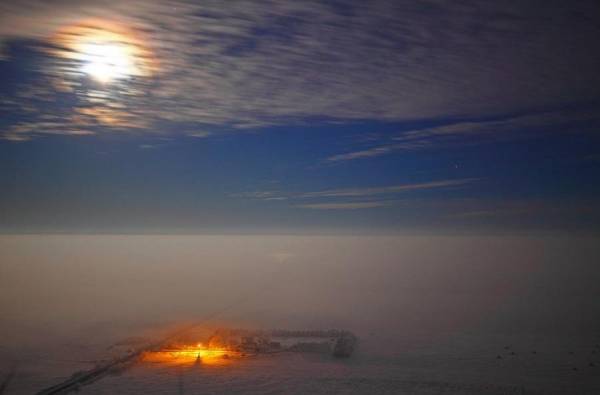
x: 476, y: 131
x: 345, y: 198
x: 27, y: 130
x: 377, y: 151
x: 261, y: 195
x: 200, y: 134
x: 344, y: 206
x: 391, y: 189
x: 249, y: 64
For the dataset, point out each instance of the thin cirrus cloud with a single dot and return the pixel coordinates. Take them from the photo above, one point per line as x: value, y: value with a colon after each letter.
x: 376, y: 196
x: 377, y: 151
x: 477, y: 131
x: 199, y: 135
x: 247, y: 64
x: 354, y: 192
x: 344, y: 206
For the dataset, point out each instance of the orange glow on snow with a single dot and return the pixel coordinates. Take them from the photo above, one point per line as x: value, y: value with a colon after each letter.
x: 191, y: 354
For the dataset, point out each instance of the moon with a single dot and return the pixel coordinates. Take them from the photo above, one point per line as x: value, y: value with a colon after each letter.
x: 104, y: 52
x: 106, y: 62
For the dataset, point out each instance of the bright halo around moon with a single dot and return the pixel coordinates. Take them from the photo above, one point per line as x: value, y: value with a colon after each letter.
x: 106, y: 62
x: 104, y: 52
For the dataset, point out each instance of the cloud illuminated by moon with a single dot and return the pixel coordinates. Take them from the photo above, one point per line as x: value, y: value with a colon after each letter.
x: 104, y: 66
x: 106, y: 62
x: 104, y: 51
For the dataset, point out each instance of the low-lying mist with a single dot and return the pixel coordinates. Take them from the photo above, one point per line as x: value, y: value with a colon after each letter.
x: 410, y: 289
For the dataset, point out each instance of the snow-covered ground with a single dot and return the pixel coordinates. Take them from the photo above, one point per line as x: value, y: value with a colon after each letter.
x: 434, y: 315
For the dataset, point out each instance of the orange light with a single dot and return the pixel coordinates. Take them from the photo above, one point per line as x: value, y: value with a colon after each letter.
x: 191, y: 354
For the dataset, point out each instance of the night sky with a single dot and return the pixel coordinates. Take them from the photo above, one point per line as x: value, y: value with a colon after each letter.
x: 286, y: 116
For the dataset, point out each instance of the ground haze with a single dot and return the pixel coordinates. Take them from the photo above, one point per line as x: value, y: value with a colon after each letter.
x: 431, y: 312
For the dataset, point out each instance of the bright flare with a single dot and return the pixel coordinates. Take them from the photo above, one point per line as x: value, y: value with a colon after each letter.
x: 104, y: 51
x: 106, y: 62
x: 191, y: 354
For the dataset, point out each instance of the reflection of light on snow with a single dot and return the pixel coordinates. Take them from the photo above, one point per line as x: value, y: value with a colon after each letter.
x: 190, y: 354
x: 106, y: 62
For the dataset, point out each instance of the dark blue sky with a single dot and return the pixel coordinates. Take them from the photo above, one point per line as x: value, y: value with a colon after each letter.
x: 390, y: 117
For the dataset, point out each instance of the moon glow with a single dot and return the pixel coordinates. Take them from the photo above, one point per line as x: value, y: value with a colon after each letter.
x: 104, y: 52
